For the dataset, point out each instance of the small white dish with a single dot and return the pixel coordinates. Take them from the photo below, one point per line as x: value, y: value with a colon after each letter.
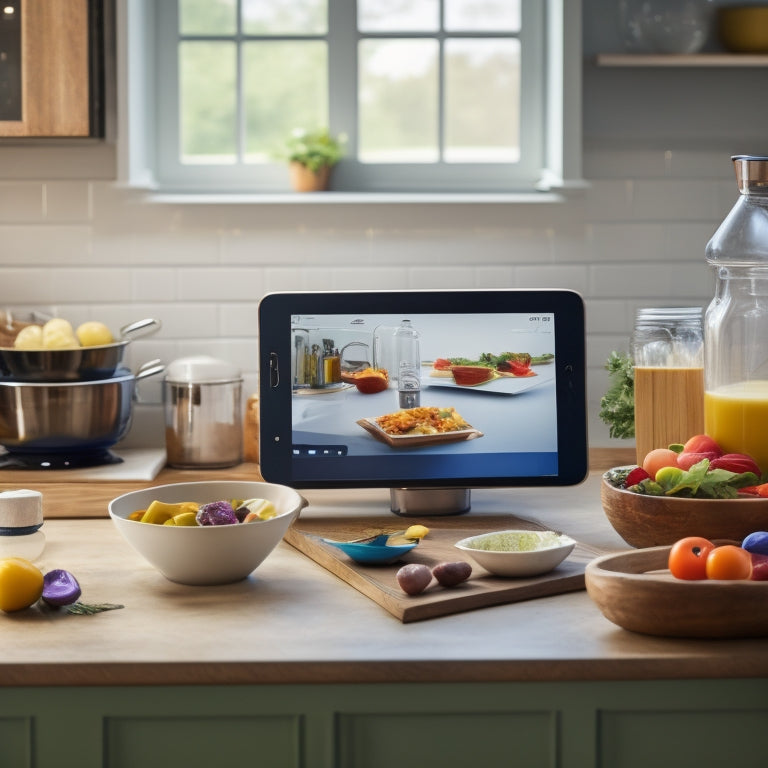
x: 518, y: 552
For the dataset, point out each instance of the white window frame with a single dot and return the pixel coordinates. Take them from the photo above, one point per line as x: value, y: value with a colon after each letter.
x: 139, y: 114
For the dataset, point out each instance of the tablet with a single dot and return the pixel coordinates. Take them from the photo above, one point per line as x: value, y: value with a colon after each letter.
x: 422, y: 389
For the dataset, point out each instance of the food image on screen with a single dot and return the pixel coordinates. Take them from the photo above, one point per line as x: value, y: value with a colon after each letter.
x: 393, y: 416
x: 421, y: 421
x: 468, y: 372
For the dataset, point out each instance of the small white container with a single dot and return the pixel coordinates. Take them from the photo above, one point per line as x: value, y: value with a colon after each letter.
x: 21, y: 517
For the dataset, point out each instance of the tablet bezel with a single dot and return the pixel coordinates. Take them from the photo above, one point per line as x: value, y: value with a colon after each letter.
x: 275, y: 386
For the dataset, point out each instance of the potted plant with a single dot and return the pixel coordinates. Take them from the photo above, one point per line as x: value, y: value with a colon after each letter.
x: 311, y: 156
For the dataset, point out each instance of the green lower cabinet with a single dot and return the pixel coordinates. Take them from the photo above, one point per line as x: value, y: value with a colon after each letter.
x: 16, y: 741
x: 654, y: 724
x: 457, y: 740
x: 210, y: 741
x: 684, y: 738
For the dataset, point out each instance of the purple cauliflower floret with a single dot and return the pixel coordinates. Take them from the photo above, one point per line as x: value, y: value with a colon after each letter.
x: 216, y: 513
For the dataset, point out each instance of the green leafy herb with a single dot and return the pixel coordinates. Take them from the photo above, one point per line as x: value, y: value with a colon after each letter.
x: 88, y: 609
x: 617, y: 407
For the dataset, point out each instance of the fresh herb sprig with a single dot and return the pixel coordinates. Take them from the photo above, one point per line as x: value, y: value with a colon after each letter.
x: 617, y: 407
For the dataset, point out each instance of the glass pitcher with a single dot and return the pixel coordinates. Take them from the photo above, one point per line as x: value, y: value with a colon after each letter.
x: 736, y: 321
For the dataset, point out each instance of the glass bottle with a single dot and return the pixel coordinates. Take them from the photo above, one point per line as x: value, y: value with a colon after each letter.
x: 408, y: 360
x: 668, y: 356
x: 736, y: 321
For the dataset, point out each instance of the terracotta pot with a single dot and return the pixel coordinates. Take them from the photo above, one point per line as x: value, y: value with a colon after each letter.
x: 305, y: 180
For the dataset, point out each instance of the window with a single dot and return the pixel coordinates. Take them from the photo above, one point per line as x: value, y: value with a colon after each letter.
x: 432, y: 95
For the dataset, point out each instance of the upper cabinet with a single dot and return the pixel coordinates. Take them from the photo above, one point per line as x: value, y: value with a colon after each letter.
x: 51, y: 68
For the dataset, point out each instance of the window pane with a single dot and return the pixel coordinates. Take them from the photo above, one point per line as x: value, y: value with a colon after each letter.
x: 398, y: 15
x: 482, y: 100
x: 398, y: 91
x: 285, y: 87
x: 285, y: 17
x: 207, y: 102
x: 207, y: 17
x: 485, y: 15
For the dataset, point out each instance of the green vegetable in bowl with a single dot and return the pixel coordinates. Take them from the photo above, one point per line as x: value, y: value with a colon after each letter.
x: 617, y: 407
x: 699, y: 482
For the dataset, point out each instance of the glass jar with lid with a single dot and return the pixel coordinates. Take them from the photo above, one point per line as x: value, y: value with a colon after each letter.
x: 736, y: 321
x: 668, y: 356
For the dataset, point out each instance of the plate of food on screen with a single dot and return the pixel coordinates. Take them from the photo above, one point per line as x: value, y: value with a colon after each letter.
x: 501, y: 373
x: 424, y: 425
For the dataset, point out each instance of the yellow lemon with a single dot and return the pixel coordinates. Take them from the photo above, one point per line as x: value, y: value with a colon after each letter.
x: 21, y: 584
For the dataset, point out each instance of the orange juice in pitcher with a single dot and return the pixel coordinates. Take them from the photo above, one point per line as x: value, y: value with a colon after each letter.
x: 736, y: 418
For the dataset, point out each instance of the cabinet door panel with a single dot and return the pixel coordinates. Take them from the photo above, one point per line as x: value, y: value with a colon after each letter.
x: 55, y: 73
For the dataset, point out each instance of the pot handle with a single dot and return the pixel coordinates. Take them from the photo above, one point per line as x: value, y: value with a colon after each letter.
x: 140, y: 328
x: 150, y: 368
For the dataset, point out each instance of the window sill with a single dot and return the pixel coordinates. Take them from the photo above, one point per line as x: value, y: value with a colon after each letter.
x: 355, y: 198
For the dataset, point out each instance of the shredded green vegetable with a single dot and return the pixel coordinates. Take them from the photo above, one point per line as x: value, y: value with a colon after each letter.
x: 516, y: 542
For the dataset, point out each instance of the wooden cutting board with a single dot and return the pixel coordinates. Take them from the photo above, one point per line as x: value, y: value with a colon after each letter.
x: 379, y: 583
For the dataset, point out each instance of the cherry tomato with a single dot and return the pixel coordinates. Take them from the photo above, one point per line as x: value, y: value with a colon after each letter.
x: 657, y: 458
x: 688, y: 558
x: 729, y: 562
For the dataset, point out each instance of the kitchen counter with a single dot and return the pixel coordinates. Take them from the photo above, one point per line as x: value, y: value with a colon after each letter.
x: 258, y: 623
x: 312, y: 667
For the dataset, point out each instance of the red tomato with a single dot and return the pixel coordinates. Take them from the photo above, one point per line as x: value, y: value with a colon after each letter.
x: 702, y: 444
x: 688, y: 558
x: 729, y: 562
x: 657, y: 458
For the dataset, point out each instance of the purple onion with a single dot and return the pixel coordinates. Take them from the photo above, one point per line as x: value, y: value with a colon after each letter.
x: 216, y: 513
x: 60, y: 588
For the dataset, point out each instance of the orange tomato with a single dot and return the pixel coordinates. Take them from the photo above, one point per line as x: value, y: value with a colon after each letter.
x: 657, y: 458
x: 729, y: 562
x: 688, y: 558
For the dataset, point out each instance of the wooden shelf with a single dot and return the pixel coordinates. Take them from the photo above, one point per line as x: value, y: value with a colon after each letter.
x: 682, y: 60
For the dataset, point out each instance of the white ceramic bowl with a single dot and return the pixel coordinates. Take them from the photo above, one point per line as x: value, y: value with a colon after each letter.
x: 518, y: 552
x: 205, y: 555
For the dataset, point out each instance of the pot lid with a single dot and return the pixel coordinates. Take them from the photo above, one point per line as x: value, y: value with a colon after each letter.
x: 201, y: 369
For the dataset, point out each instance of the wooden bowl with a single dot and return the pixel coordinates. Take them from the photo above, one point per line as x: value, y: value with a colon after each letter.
x: 635, y: 591
x: 652, y: 521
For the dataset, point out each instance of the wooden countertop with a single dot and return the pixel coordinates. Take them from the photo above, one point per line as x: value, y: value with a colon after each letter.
x: 82, y: 499
x: 294, y: 622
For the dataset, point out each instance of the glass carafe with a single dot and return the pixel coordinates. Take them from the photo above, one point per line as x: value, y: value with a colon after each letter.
x: 736, y: 321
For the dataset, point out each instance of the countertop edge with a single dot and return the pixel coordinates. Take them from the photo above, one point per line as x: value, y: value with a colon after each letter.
x: 375, y: 672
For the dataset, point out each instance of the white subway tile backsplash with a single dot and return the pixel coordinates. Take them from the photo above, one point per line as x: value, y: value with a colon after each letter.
x: 85, y: 249
x: 67, y: 201
x: 29, y: 245
x: 21, y: 202
x: 219, y: 284
x: 673, y: 199
x: 575, y: 278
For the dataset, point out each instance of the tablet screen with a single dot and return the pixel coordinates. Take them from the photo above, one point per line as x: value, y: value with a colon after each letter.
x: 422, y: 389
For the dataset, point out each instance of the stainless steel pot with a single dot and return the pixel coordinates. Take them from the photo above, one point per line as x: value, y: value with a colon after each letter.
x: 78, y: 364
x: 83, y: 416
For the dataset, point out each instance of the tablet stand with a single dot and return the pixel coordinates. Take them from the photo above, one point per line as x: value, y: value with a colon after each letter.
x: 420, y: 502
